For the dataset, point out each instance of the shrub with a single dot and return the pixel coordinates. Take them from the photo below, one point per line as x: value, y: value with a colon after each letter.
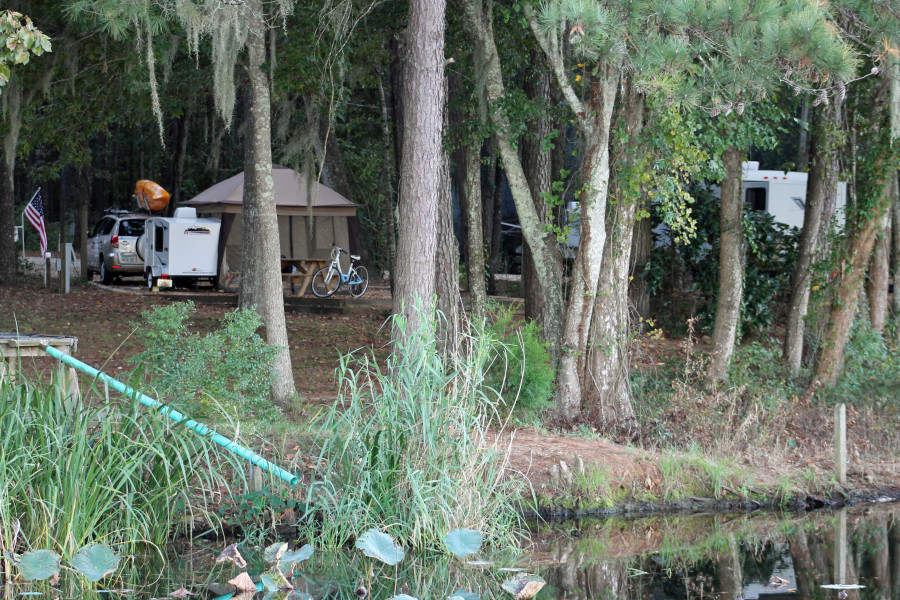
x: 228, y: 368
x: 520, y: 369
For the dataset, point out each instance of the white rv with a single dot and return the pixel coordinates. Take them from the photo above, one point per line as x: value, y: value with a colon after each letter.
x: 783, y: 195
x: 181, y: 248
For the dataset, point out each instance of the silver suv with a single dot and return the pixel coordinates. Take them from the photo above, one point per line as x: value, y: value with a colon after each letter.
x: 113, y: 248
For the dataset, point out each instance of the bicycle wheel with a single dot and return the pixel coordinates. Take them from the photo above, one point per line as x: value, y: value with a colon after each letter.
x: 359, y: 282
x: 325, y: 282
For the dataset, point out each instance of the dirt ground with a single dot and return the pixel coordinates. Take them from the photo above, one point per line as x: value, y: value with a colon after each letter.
x: 104, y: 320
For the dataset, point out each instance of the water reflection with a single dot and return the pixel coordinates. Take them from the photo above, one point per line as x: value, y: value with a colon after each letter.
x: 725, y: 557
x: 699, y: 557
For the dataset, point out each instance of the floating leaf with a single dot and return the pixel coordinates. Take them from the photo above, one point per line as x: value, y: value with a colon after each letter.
x: 182, y: 592
x: 274, y: 581
x: 463, y: 542
x: 231, y: 554
x: 297, y: 595
x: 380, y: 545
x: 510, y: 570
x: 290, y: 559
x: 523, y: 586
x: 402, y: 597
x: 243, y: 583
x: 96, y: 562
x: 274, y: 552
x: 38, y: 565
x: 461, y: 594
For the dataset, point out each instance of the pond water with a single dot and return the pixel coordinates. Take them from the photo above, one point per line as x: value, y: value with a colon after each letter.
x: 712, y: 556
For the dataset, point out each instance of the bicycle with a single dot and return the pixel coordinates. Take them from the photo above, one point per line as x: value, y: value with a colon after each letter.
x: 356, y: 277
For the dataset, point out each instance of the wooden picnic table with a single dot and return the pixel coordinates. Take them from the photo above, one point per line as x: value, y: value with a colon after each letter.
x: 300, y: 272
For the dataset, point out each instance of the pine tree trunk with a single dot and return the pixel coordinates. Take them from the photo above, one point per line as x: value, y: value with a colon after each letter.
x: 823, y: 177
x: 879, y: 275
x: 421, y: 167
x: 260, y: 230
x: 12, y: 95
x: 542, y: 245
x: 731, y: 268
x: 388, y: 224
x: 475, y: 267
x: 446, y: 264
x: 571, y: 385
x: 536, y: 164
x: 895, y: 243
x: 608, y: 386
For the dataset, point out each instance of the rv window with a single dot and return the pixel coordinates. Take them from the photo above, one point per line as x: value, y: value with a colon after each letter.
x: 159, y: 239
x: 756, y: 198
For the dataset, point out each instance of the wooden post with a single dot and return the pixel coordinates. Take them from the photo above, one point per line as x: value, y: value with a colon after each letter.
x: 840, y: 443
x: 68, y: 255
x: 47, y: 270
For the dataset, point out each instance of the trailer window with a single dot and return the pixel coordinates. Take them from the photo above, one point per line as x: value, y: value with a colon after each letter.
x: 159, y: 239
x: 756, y: 198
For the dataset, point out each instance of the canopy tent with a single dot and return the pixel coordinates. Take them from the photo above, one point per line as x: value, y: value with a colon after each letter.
x: 305, y: 232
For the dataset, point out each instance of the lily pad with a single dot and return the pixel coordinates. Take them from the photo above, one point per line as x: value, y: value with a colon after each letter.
x: 243, y: 583
x: 289, y: 560
x: 461, y: 594
x: 275, y: 581
x: 296, y: 595
x: 380, y: 545
x: 96, y: 561
x: 463, y: 542
x: 274, y: 552
x: 38, y: 565
x: 524, y: 586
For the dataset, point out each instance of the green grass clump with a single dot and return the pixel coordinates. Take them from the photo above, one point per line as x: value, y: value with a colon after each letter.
x: 405, y: 448
x: 76, y: 472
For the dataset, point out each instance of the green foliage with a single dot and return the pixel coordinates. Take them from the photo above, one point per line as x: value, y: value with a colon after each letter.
x: 771, y: 253
x: 77, y: 472
x: 520, y: 370
x: 19, y: 40
x: 405, y: 448
x: 228, y: 368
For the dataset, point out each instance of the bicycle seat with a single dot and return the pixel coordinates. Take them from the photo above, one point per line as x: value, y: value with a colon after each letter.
x: 354, y: 257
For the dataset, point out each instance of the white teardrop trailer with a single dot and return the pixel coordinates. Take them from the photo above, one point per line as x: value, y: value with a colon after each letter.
x: 180, y: 250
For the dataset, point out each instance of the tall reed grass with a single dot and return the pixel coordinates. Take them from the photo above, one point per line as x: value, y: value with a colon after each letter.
x: 406, y: 448
x: 74, y: 472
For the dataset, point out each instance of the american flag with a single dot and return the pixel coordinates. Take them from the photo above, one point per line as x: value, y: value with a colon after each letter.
x: 34, y: 212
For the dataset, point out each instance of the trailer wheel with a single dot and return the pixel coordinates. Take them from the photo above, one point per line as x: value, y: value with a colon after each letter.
x: 150, y: 280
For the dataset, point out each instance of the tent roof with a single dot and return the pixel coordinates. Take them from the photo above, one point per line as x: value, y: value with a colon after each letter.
x: 290, y: 195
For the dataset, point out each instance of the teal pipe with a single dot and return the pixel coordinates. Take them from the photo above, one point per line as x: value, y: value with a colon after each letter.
x: 259, y: 588
x: 198, y: 428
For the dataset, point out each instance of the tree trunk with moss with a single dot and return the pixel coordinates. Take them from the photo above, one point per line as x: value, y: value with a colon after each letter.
x: 261, y: 253
x: 865, y: 221
x: 475, y: 266
x: 12, y: 98
x: 608, y: 385
x: 446, y: 264
x: 731, y: 268
x: 477, y: 19
x: 895, y: 243
x: 823, y: 179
